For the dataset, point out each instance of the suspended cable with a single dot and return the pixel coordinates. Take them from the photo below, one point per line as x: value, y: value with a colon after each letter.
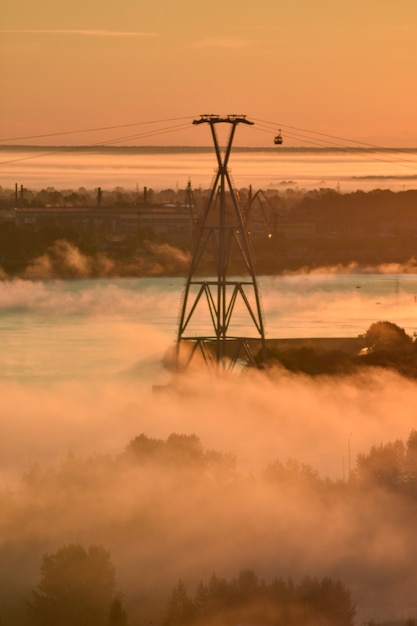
x: 28, y: 158
x: 142, y: 135
x: 364, y: 150
x: 92, y: 130
x: 304, y: 130
x: 310, y: 137
x: 98, y: 144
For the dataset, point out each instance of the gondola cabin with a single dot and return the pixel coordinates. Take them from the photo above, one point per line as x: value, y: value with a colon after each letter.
x: 278, y: 138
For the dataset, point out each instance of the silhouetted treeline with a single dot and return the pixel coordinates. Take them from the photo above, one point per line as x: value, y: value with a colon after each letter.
x: 247, y: 599
x: 366, y: 228
x: 52, y: 251
x: 391, y: 466
x: 77, y: 586
x: 290, y: 229
x: 171, y: 508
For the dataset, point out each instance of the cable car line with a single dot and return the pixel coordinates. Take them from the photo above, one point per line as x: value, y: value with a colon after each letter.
x: 313, y: 138
x: 91, y: 130
x: 360, y: 145
x: 304, y: 130
x: 140, y: 135
x: 364, y: 150
x: 98, y: 144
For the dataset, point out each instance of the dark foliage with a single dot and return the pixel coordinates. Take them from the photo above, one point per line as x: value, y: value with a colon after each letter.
x: 76, y: 587
x: 385, y: 345
x: 248, y: 600
x: 391, y: 466
x: 180, y: 452
x: 388, y: 338
x: 340, y: 229
x: 117, y: 614
x: 307, y: 360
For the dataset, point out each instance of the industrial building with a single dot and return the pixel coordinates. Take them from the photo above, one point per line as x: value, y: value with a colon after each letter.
x: 173, y: 222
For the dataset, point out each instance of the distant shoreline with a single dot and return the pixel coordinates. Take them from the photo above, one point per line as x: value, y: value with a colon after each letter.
x: 171, y: 167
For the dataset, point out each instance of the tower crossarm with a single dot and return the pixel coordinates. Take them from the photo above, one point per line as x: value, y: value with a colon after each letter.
x: 210, y: 118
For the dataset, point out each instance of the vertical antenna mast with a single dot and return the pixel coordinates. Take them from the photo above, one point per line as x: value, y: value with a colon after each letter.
x: 217, y: 308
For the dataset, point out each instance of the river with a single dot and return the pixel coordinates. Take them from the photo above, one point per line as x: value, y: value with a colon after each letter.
x: 89, y: 329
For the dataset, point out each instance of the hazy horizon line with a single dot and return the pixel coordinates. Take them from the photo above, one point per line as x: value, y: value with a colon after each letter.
x: 208, y: 148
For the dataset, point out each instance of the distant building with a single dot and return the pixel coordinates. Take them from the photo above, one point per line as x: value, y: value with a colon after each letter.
x: 171, y: 222
x: 7, y: 215
x: 297, y: 230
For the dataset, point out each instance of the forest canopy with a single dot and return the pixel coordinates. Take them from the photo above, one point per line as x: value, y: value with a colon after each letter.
x: 247, y: 599
x: 169, y: 509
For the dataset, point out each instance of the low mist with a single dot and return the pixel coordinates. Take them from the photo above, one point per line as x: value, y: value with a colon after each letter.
x: 62, y: 481
x: 358, y: 268
x: 65, y: 475
x: 64, y: 260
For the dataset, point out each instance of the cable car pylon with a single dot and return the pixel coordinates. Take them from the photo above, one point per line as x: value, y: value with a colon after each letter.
x: 221, y: 321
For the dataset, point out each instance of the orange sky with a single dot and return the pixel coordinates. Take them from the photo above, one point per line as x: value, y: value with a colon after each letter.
x: 342, y: 68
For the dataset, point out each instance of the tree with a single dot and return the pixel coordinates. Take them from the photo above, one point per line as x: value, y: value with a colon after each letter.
x: 246, y: 599
x: 178, y: 451
x: 392, y: 466
x: 76, y: 588
x: 411, y: 460
x: 117, y: 615
x: 292, y: 473
x: 383, y: 466
x: 386, y: 336
x: 181, y: 609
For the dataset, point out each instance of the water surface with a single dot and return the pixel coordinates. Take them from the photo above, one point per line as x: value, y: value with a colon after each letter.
x: 89, y: 329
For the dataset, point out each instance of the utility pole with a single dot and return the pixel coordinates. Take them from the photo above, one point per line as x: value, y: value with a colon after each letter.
x: 216, y: 305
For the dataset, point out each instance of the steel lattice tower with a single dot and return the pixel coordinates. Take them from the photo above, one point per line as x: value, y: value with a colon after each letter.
x: 215, y: 304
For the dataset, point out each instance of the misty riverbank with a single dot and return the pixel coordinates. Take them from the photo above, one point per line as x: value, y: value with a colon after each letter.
x: 78, y: 362
x: 135, y: 319
x: 45, y: 254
